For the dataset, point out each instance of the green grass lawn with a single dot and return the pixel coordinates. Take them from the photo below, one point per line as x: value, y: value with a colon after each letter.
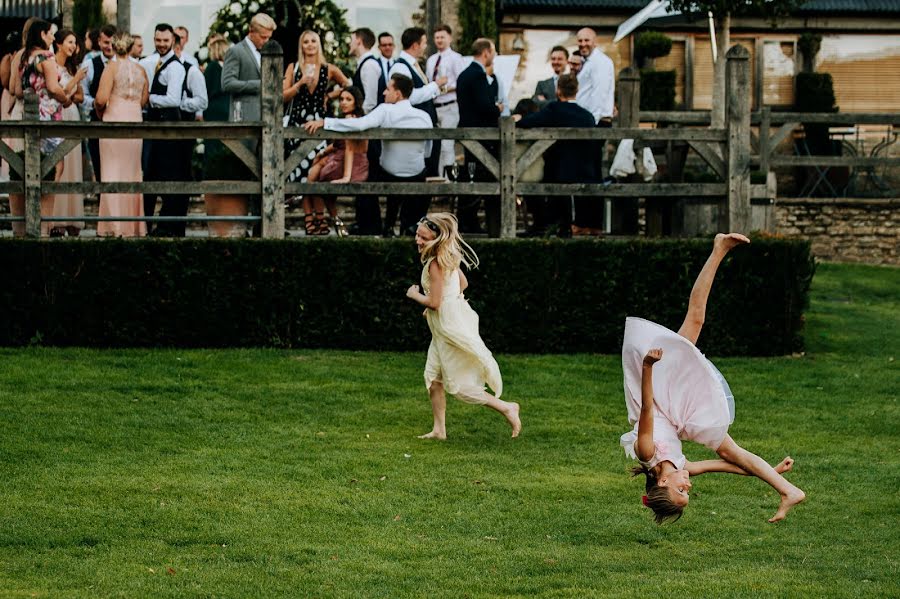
x: 297, y: 473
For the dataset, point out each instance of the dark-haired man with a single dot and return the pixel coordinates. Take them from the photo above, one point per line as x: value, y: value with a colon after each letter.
x: 91, y: 83
x: 448, y: 63
x: 545, y: 91
x: 401, y: 161
x: 566, y: 161
x: 372, y: 80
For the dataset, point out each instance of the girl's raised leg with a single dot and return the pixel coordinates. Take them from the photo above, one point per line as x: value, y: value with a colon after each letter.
x: 509, y: 409
x: 755, y: 465
x: 438, y: 411
x: 696, y: 312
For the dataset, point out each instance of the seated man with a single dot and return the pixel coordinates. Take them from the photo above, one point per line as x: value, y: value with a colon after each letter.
x: 401, y: 161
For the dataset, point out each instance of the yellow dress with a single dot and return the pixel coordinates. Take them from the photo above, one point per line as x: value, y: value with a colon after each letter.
x: 457, y: 357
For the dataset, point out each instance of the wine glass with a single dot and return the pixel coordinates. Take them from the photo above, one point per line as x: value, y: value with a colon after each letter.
x: 454, y: 172
x: 471, y: 167
x: 238, y: 114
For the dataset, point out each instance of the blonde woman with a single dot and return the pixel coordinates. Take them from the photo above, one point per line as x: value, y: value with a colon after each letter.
x: 307, y: 88
x: 458, y: 360
x: 122, y: 94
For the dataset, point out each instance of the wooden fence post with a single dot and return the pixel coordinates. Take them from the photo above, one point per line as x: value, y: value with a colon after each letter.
x: 272, y: 142
x: 623, y: 213
x: 736, y: 216
x: 32, y: 170
x: 507, y: 178
x: 765, y: 121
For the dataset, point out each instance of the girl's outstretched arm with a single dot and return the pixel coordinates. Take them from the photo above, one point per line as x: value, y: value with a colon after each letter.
x: 644, y: 446
x: 433, y: 299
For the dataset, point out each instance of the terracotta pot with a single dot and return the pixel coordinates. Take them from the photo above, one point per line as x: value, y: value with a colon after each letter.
x: 226, y: 205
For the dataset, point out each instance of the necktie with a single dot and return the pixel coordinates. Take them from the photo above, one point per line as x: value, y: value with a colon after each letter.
x: 158, y: 66
x: 437, y: 67
x: 419, y: 72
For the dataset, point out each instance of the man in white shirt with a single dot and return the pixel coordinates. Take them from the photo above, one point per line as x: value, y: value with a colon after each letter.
x: 448, y: 63
x: 137, y: 49
x: 184, y: 35
x: 165, y: 158
x: 371, y: 78
x: 596, y: 94
x: 194, y: 98
x: 386, y: 49
x: 596, y: 80
x: 401, y: 161
x: 91, y: 83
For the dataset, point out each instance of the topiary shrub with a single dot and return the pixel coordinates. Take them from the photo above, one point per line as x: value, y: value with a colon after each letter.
x: 651, y: 44
x: 657, y: 90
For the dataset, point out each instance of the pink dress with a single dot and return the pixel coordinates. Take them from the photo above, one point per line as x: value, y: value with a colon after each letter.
x: 693, y: 402
x: 120, y: 159
x: 70, y: 204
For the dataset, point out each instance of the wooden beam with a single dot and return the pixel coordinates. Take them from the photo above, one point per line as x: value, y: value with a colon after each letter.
x: 48, y: 163
x: 508, y: 178
x: 300, y: 152
x: 384, y: 189
x: 272, y: 141
x: 153, y: 187
x: 534, y: 151
x: 626, y: 190
x: 16, y: 164
x: 483, y: 156
x: 737, y: 214
x: 712, y: 155
x: 244, y: 154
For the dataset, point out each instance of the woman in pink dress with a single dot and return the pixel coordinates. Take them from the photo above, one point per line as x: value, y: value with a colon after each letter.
x: 123, y: 92
x: 70, y: 76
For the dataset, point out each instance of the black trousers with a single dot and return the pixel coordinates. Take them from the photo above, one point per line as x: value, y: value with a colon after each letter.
x: 588, y: 209
x: 168, y: 160
x: 411, y: 207
x: 368, y: 212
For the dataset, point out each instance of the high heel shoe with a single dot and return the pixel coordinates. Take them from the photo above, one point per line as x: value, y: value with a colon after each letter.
x: 310, y: 224
x: 323, y: 226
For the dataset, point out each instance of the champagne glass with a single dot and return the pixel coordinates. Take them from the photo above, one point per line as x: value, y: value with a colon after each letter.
x: 471, y: 167
x: 454, y: 172
x: 238, y: 113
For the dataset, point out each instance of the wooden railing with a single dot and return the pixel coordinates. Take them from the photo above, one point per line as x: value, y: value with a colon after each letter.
x: 726, y: 150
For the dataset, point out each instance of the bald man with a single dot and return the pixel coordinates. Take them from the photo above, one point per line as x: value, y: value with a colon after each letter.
x: 596, y: 94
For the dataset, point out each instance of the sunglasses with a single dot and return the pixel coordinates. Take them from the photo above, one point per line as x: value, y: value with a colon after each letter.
x: 431, y: 225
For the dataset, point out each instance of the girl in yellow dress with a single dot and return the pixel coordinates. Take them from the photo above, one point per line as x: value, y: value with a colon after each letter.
x: 458, y: 359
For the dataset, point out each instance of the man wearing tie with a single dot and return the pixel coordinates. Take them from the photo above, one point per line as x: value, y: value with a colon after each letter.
x: 478, y: 107
x: 545, y: 91
x: 446, y: 62
x: 165, y: 158
x: 370, y: 78
x: 91, y: 83
x: 401, y: 161
x: 596, y: 93
x: 386, y: 49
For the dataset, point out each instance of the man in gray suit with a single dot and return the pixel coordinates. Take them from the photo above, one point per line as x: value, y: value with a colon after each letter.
x: 241, y: 70
x: 545, y: 92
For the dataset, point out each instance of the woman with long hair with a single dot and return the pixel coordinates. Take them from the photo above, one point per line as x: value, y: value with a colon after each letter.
x: 340, y: 162
x: 307, y: 88
x: 70, y: 76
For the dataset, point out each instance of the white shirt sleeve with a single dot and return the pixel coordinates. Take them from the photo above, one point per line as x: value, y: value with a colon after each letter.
x: 370, y: 74
x: 197, y: 84
x: 370, y: 121
x: 88, y: 103
x: 419, y: 95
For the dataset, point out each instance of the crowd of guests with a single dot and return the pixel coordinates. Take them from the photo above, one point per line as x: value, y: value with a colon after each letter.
x: 106, y: 77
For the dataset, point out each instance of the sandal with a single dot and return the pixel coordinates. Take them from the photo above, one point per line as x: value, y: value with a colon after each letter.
x: 310, y: 224
x: 324, y: 227
x: 58, y: 232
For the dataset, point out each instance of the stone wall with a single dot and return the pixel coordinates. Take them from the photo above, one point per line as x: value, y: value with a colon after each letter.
x: 854, y: 230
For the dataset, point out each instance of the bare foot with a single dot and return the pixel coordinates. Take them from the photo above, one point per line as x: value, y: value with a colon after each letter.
x: 512, y: 416
x: 435, y: 434
x: 725, y: 242
x: 787, y: 502
x: 786, y: 465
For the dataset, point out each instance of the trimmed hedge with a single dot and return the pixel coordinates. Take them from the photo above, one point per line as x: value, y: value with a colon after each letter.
x: 541, y: 296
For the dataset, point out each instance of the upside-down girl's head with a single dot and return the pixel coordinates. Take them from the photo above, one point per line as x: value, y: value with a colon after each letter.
x: 668, y: 497
x: 437, y: 236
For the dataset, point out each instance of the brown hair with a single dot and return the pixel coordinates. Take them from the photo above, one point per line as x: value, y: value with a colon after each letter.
x: 481, y: 45
x: 443, y: 27
x: 567, y: 85
x: 658, y: 500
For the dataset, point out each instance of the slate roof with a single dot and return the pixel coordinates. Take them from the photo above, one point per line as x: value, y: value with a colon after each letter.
x: 619, y: 6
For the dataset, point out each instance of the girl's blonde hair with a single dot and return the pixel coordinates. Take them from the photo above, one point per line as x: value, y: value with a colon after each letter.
x: 320, y: 58
x: 122, y: 43
x: 448, y: 248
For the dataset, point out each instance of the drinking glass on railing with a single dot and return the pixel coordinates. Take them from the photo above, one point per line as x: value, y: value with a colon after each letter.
x: 237, y: 114
x: 471, y: 167
x: 454, y: 172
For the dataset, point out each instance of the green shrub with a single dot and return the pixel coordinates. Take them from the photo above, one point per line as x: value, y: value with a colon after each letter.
x: 652, y: 44
x: 657, y: 90
x: 815, y: 93
x: 540, y: 296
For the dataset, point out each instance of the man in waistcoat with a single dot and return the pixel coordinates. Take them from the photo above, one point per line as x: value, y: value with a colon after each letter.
x: 166, y: 158
x: 415, y: 42
x: 91, y: 83
x: 370, y: 78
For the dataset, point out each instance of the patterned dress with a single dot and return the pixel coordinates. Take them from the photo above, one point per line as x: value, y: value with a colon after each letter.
x: 306, y: 107
x: 49, y: 109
